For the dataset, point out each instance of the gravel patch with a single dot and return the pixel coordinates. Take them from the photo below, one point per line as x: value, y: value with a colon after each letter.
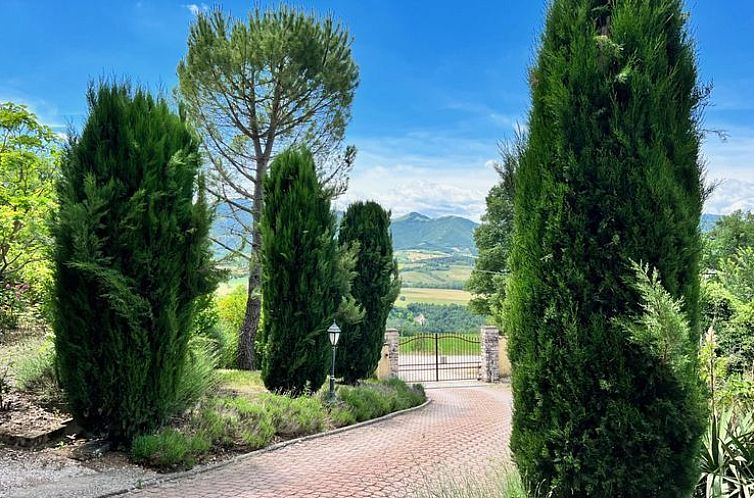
x: 53, y: 473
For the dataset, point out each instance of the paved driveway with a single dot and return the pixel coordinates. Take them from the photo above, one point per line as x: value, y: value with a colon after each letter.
x: 464, y: 432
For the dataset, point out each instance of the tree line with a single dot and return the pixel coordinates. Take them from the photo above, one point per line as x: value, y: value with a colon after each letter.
x: 127, y: 205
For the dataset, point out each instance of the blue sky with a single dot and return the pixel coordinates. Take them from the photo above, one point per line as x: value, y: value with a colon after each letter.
x: 440, y: 85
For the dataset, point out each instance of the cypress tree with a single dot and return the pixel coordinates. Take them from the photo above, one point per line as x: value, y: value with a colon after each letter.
x: 131, y: 258
x: 610, y: 174
x: 300, y: 275
x: 366, y: 225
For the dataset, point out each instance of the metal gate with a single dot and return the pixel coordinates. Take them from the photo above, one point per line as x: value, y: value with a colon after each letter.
x: 436, y: 357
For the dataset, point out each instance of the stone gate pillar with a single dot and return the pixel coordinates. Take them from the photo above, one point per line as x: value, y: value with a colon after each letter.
x: 490, y: 343
x: 391, y: 339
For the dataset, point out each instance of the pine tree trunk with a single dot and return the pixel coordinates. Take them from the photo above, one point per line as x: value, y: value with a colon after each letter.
x: 248, y: 334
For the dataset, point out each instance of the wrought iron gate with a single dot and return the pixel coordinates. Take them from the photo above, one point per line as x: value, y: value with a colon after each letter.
x: 436, y: 357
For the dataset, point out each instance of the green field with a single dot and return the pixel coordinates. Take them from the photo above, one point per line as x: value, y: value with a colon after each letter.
x: 434, y: 269
x: 432, y: 296
x: 427, y: 276
x: 452, y: 344
x: 455, y: 275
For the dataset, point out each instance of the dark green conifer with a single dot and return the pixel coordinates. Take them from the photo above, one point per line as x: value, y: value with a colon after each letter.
x: 301, y: 278
x: 131, y: 258
x: 366, y: 226
x: 611, y: 173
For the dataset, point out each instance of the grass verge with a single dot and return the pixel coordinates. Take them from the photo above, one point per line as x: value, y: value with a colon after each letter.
x: 240, y: 423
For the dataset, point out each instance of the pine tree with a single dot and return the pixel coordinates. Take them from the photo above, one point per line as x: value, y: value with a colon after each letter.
x: 131, y: 258
x: 611, y: 174
x: 300, y: 275
x: 366, y: 226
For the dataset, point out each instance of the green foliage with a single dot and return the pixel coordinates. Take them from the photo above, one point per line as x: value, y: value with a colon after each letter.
x: 238, y: 423
x: 231, y: 309
x: 662, y: 330
x: 375, y: 399
x: 240, y: 380
x: 169, y: 449
x: 366, y: 227
x: 717, y: 303
x: 230, y: 423
x: 253, y: 87
x: 730, y: 233
x: 302, y: 275
x: 29, y: 165
x: 295, y: 417
x: 131, y: 258
x: 737, y: 338
x: 301, y: 69
x: 493, y: 239
x: 737, y: 273
x: 439, y: 318
x: 36, y: 374
x: 727, y: 459
x: 198, y: 375
x: 728, y: 300
x: 207, y: 326
x: 727, y: 463
x: 610, y: 173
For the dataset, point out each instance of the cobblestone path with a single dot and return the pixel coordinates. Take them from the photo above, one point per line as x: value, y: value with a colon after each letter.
x: 462, y: 434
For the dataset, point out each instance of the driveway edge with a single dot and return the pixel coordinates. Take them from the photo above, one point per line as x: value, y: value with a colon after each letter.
x: 238, y: 458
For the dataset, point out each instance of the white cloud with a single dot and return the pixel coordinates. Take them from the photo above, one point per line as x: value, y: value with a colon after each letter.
x: 730, y: 163
x: 195, y: 9
x: 731, y: 195
x: 437, y: 174
x: 449, y: 180
x: 47, y: 112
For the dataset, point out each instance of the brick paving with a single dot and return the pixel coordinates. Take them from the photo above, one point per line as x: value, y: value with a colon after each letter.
x: 463, y: 433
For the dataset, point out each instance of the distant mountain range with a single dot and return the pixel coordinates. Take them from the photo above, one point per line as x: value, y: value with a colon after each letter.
x: 415, y: 231
x: 447, y: 234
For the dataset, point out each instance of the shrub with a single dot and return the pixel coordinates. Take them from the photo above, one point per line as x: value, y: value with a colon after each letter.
x: 231, y: 309
x: 238, y: 422
x: 198, y: 376
x: 231, y: 423
x: 728, y: 459
x: 342, y: 415
x: 207, y: 326
x: 610, y: 173
x: 35, y: 373
x: 717, y: 304
x: 132, y: 256
x: 300, y: 275
x: 169, y: 449
x: 366, y: 226
x: 375, y: 399
x: 737, y: 338
x: 294, y: 417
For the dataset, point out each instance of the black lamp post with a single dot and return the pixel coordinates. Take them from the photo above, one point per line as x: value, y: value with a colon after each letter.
x: 334, y: 332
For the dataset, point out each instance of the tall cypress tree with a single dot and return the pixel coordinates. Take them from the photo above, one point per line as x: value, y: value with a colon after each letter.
x: 131, y: 258
x: 300, y: 275
x: 375, y: 288
x: 610, y: 174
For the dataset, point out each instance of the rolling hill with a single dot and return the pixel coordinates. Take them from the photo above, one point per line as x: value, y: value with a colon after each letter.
x: 448, y: 234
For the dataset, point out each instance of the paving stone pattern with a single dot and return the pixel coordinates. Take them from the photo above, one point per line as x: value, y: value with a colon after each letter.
x: 464, y: 432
